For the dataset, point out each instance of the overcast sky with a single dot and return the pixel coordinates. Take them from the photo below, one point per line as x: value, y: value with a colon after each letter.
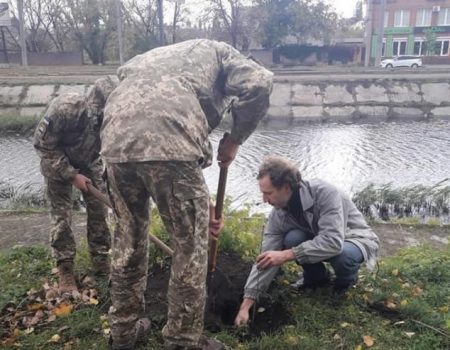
x: 344, y: 7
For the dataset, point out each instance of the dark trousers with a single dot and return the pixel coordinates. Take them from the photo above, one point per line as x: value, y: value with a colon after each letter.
x: 346, y: 265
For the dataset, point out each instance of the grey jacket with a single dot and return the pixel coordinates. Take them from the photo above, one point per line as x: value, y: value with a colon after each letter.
x: 333, y: 219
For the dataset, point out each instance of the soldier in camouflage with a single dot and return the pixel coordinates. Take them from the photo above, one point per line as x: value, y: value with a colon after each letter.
x: 68, y: 142
x: 155, y: 144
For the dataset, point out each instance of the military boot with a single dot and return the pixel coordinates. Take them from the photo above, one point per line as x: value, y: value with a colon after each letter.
x: 66, y: 277
x: 101, y: 266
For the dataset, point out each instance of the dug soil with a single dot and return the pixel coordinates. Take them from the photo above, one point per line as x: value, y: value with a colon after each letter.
x: 226, y: 284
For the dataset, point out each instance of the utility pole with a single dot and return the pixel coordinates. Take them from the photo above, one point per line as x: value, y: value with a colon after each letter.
x: 119, y: 29
x: 368, y: 33
x: 23, y: 44
x: 162, y: 40
x: 380, y: 33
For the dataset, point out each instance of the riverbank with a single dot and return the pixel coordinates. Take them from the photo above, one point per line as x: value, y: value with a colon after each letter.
x: 300, y: 95
x: 32, y: 228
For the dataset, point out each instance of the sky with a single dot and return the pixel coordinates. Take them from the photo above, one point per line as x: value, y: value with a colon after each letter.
x: 344, y: 7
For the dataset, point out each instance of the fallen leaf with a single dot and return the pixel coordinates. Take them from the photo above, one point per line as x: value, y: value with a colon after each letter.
x: 416, y: 291
x: 261, y: 309
x: 409, y: 334
x: 395, y: 272
x: 55, y: 271
x: 337, y: 337
x: 390, y: 304
x: 404, y: 302
x: 54, y: 339
x: 93, y: 301
x: 62, y: 329
x: 34, y: 307
x: 344, y: 324
x: 63, y: 309
x: 51, y: 318
x: 358, y: 347
x: 29, y: 330
x: 368, y: 340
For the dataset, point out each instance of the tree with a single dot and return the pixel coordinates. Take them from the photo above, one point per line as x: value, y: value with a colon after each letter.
x: 141, y: 19
x: 226, y: 14
x: 92, y: 23
x: 313, y: 20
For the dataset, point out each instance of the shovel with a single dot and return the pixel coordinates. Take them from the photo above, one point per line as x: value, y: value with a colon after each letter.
x: 214, y: 247
x: 105, y: 200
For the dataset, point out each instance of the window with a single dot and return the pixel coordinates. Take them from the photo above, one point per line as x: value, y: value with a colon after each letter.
x: 419, y: 47
x: 399, y: 47
x: 442, y: 46
x: 401, y: 18
x: 423, y: 18
x: 444, y: 17
x: 386, y: 19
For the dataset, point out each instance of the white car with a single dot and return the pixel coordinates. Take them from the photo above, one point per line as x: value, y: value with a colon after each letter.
x: 402, y: 61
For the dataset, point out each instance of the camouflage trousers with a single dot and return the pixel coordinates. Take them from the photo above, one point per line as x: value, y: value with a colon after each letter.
x: 181, y: 195
x: 59, y: 194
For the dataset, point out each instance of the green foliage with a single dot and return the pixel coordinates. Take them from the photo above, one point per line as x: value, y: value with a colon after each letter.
x: 242, y: 232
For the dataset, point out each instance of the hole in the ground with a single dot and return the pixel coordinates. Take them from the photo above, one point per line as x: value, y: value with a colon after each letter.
x: 225, y: 290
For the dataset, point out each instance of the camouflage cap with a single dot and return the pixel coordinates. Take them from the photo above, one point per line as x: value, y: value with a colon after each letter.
x: 99, y: 93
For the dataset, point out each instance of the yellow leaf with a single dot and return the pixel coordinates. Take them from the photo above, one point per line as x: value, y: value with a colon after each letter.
x: 345, y: 324
x: 358, y: 347
x: 34, y: 307
x: 63, y: 309
x: 368, y: 340
x: 404, y: 302
x: 395, y: 272
x: 55, y: 339
x: 444, y: 308
x: 93, y: 301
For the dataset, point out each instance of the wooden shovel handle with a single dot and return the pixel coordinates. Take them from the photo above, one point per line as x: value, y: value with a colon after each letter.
x: 105, y: 200
x: 214, y: 248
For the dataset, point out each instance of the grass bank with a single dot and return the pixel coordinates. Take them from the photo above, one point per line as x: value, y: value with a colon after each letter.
x: 23, y: 125
x: 404, y: 305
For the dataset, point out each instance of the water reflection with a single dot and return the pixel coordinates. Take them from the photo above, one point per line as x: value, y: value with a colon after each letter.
x: 350, y: 156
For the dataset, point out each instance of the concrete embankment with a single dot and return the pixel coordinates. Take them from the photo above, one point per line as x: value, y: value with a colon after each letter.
x: 296, y: 98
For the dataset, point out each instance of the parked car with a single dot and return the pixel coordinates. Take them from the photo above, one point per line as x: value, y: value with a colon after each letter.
x: 402, y: 61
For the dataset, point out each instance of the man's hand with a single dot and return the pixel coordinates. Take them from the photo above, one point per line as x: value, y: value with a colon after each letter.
x: 80, y: 181
x: 274, y: 258
x: 215, y: 225
x: 227, y: 151
x: 244, y: 312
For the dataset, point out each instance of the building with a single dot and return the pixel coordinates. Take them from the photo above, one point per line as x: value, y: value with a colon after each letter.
x: 411, y: 27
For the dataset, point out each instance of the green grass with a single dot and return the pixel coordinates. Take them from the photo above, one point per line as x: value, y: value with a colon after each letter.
x: 18, y: 124
x: 404, y: 305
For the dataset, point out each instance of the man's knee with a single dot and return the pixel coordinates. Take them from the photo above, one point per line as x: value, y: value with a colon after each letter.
x: 295, y: 237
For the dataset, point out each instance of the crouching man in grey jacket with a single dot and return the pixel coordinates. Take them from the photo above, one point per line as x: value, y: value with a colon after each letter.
x: 311, y: 222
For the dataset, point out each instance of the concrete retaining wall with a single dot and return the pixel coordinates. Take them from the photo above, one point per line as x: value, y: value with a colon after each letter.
x: 292, y: 101
x: 364, y: 100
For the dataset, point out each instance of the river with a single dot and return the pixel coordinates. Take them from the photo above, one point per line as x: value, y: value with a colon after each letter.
x: 348, y: 155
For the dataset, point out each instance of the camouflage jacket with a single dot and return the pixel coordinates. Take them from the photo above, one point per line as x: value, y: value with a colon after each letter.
x: 66, y: 139
x: 171, y: 97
